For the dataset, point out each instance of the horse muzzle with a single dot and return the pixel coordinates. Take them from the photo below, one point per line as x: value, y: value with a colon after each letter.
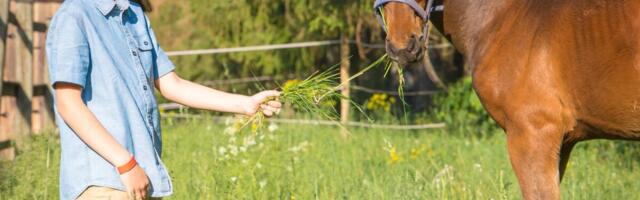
x: 411, y: 53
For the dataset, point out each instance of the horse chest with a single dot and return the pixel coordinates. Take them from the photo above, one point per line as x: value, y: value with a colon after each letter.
x: 566, y: 89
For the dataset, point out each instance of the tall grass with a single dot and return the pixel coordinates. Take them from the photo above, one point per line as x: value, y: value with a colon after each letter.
x: 313, y: 162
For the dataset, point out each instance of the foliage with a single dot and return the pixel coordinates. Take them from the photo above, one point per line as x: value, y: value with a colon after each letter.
x: 201, y: 24
x: 313, y: 162
x: 461, y: 109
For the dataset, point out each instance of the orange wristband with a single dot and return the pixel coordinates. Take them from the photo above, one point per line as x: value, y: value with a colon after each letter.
x: 127, y: 167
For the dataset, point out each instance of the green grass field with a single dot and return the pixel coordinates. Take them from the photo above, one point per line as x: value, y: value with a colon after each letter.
x: 314, y: 162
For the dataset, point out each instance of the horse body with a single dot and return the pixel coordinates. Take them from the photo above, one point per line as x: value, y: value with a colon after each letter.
x: 578, y: 57
x: 550, y: 72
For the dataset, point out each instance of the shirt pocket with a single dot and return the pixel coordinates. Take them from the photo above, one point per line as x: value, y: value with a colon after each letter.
x: 147, y: 54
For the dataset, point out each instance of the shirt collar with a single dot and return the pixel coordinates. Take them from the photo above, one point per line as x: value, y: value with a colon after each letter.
x: 106, y: 6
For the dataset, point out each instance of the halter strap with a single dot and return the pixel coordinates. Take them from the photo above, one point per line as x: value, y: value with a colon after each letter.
x: 424, y: 13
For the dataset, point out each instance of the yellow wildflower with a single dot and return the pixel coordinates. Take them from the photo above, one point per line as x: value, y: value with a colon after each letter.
x: 380, y: 103
x: 254, y: 127
x: 393, y: 156
x: 415, y: 153
x: 289, y: 84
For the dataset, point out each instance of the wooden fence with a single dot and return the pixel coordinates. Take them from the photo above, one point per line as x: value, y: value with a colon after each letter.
x: 25, y: 101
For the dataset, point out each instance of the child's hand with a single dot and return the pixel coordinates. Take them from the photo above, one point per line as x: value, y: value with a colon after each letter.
x: 136, y: 183
x: 265, y: 102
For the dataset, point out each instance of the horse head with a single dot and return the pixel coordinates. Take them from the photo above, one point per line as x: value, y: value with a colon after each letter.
x: 405, y: 22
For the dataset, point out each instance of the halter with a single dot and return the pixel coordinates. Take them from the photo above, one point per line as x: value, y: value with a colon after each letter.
x: 424, y: 13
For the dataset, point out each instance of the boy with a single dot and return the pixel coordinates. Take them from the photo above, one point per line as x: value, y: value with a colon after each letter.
x: 104, y: 64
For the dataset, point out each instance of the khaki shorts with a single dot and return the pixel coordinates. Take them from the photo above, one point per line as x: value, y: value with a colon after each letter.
x: 97, y: 192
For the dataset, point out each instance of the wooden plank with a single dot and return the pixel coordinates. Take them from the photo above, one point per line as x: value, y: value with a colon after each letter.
x: 24, y: 64
x: 344, y: 79
x: 9, y: 54
x: 7, y: 100
x: 7, y: 103
x: 42, y: 110
x: 4, y: 22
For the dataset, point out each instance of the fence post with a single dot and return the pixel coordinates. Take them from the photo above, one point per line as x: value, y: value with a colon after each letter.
x: 24, y: 65
x: 344, y: 79
x: 6, y: 151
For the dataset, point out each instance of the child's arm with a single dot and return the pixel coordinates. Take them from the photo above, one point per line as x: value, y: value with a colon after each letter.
x: 78, y: 116
x: 194, y: 95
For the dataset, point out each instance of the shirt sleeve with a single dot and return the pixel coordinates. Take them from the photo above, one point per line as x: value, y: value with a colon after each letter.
x: 68, y: 51
x: 163, y: 64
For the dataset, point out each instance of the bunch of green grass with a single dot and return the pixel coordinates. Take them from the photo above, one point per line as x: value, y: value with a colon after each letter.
x: 309, y: 96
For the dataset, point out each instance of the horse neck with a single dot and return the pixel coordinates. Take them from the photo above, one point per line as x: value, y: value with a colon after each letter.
x: 469, y: 23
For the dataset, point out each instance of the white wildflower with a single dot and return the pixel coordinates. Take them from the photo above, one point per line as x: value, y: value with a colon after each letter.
x: 272, y: 127
x: 222, y: 150
x: 300, y: 147
x: 233, y: 150
x: 477, y: 167
x: 230, y: 130
x: 234, y: 179
x: 263, y: 183
x: 249, y: 141
x: 443, y: 177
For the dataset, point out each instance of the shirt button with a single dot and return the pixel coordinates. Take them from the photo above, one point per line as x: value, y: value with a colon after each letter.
x: 144, y: 87
x: 134, y: 53
x: 146, y: 43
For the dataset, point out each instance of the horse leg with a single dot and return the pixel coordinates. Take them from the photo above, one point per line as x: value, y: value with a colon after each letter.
x: 535, y: 159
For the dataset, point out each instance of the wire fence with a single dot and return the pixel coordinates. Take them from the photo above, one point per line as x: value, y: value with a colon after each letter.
x: 219, y: 119
x: 175, y: 106
x: 294, y: 46
x: 281, y: 46
x: 394, y: 93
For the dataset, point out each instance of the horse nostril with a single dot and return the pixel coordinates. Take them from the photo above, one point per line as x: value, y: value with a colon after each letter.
x: 391, y: 48
x: 413, y: 45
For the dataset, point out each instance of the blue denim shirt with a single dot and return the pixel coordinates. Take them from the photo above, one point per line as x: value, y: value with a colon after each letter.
x: 109, y: 48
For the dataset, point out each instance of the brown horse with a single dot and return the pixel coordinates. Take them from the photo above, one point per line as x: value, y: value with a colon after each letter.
x: 550, y: 72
